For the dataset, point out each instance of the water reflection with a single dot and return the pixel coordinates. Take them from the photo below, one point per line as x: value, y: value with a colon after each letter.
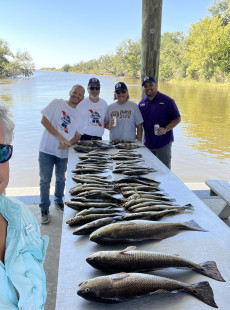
x: 205, y: 117
x: 201, y: 149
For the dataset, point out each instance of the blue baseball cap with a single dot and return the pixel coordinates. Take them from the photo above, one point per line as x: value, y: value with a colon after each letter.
x: 120, y: 86
x: 93, y: 81
x: 148, y: 79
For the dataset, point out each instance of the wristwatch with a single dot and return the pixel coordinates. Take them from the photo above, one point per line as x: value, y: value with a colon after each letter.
x: 166, y: 129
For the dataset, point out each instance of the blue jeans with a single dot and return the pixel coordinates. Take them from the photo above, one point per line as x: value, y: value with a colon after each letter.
x: 46, y: 165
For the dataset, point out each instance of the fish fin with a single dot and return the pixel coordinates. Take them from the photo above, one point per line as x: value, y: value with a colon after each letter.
x: 160, y: 292
x: 188, y: 206
x: 82, y: 283
x: 120, y: 276
x: 192, y: 225
x: 203, y: 291
x: 129, y: 248
x: 210, y: 269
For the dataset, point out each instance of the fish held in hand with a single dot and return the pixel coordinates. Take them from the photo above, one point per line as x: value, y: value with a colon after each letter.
x: 138, y: 230
x: 132, y: 260
x: 124, y: 286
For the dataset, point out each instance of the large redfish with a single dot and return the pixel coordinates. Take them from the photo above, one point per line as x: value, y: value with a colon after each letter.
x: 125, y: 286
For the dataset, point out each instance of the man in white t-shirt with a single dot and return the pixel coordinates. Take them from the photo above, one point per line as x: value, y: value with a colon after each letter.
x: 92, y: 110
x: 63, y: 128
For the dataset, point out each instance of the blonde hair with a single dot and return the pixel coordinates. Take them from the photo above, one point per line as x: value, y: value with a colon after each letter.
x: 7, y: 122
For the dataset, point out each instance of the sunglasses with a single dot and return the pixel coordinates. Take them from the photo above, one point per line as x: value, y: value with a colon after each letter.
x: 6, y: 152
x: 120, y: 91
x: 92, y: 88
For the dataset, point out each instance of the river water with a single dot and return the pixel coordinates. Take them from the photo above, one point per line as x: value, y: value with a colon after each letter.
x: 201, y: 149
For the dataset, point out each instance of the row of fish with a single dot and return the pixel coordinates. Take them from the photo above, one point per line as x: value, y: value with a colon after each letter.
x: 128, y: 211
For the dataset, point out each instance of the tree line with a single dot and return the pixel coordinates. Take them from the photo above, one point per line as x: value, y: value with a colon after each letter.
x: 201, y: 55
x: 13, y: 65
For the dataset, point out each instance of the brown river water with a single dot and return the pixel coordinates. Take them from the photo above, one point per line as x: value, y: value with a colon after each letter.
x: 201, y: 149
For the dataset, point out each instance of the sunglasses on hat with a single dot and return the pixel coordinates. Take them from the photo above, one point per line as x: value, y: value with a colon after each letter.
x: 6, y: 152
x: 92, y: 88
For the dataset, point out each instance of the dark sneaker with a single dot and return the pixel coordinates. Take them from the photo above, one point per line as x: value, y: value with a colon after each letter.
x: 60, y: 206
x: 45, y: 217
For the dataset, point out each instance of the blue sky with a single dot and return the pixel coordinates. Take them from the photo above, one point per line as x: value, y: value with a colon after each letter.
x: 59, y: 32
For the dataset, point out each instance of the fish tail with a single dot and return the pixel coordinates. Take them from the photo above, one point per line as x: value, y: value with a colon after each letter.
x: 203, y: 291
x: 189, y: 206
x: 192, y: 225
x: 210, y: 269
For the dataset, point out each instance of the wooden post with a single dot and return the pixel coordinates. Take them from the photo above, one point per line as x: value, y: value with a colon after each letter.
x: 151, y: 37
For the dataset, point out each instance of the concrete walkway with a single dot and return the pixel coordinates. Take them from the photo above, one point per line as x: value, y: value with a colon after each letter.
x: 30, y: 196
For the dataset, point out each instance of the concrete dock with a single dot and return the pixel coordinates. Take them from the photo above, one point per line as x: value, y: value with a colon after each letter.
x: 30, y: 196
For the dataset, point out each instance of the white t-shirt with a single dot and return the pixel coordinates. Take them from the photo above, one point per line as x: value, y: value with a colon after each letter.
x: 93, y: 115
x: 65, y: 120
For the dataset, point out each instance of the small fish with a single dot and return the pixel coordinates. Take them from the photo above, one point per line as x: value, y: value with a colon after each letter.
x: 124, y: 286
x: 139, y: 179
x: 116, y: 141
x: 85, y: 205
x: 139, y: 172
x: 87, y: 170
x: 138, y: 230
x: 94, y: 225
x: 164, y: 207
x: 105, y: 195
x: 100, y: 211
x: 150, y: 215
x: 127, y: 146
x: 132, y: 260
x: 83, y: 219
x: 149, y: 203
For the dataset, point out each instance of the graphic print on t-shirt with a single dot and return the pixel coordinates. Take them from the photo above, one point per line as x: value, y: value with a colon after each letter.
x: 94, y: 118
x: 64, y: 121
x: 122, y: 113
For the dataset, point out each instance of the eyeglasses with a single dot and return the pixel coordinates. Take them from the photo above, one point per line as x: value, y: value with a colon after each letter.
x: 120, y: 91
x: 6, y: 152
x: 92, y: 88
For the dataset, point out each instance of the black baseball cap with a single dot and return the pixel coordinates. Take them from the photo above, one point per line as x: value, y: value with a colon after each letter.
x: 93, y: 81
x: 148, y: 79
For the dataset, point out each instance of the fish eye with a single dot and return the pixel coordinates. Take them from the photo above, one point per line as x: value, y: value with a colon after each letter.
x: 87, y: 289
x: 98, y: 234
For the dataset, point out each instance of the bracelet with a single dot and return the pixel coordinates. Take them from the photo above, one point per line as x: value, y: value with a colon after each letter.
x: 166, y: 129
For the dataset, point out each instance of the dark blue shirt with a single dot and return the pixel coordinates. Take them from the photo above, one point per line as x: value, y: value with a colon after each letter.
x: 160, y: 110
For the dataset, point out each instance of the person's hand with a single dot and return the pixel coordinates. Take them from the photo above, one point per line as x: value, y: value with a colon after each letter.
x: 161, y: 131
x: 64, y: 144
x: 111, y: 123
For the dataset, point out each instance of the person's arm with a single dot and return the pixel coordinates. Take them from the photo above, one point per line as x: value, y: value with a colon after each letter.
x: 49, y: 127
x: 169, y: 126
x: 75, y: 139
x: 139, y: 132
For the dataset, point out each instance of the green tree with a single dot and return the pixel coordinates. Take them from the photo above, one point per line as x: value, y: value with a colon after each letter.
x: 221, y: 8
x: 207, y: 48
x: 21, y: 64
x: 172, y: 64
x: 66, y: 68
x: 4, y: 52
